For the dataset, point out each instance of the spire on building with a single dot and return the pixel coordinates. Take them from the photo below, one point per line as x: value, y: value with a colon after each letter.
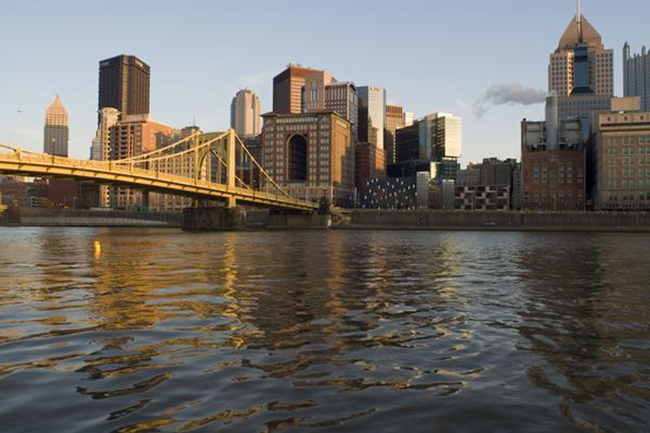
x: 56, y: 113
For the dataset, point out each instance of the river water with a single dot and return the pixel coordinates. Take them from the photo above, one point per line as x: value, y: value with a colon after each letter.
x: 323, y: 331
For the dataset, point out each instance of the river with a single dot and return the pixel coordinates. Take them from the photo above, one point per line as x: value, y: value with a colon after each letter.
x: 168, y: 331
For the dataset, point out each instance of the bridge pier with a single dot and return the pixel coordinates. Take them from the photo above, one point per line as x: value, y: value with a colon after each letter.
x: 214, y: 219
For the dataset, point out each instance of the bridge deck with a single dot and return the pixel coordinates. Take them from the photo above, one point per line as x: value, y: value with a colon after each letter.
x: 110, y: 173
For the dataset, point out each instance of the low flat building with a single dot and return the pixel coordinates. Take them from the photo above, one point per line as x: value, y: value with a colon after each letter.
x: 621, y: 160
x: 388, y: 193
x: 469, y: 176
x: 482, y: 198
x: 553, y: 162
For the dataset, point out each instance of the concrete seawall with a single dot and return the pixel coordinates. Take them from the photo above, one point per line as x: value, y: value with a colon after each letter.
x: 89, y: 218
x: 500, y: 221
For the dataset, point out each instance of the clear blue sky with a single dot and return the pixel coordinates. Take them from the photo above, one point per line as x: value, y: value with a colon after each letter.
x: 429, y: 55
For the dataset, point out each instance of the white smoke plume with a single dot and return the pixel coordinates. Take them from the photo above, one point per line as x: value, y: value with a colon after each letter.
x: 508, y: 94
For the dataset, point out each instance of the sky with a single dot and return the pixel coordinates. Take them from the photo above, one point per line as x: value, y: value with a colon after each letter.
x: 430, y: 55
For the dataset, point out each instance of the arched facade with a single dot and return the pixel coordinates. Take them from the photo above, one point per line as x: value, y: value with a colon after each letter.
x: 297, y: 162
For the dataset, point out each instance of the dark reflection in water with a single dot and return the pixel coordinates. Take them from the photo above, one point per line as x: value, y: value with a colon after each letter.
x: 339, y: 331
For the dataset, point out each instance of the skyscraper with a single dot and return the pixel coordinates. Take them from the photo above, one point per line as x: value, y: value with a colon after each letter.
x: 636, y: 75
x: 288, y: 88
x: 581, y: 54
x: 313, y: 93
x: 372, y: 115
x: 124, y: 85
x: 581, y: 72
x: 245, y: 113
x: 108, y: 117
x: 132, y: 136
x: 56, y: 131
x: 395, y: 119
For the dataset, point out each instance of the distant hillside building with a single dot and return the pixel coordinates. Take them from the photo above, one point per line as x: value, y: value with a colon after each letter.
x: 56, y: 131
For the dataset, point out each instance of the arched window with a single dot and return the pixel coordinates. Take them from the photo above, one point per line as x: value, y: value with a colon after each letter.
x: 298, y: 158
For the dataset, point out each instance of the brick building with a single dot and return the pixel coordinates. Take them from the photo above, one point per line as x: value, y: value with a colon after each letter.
x: 311, y: 155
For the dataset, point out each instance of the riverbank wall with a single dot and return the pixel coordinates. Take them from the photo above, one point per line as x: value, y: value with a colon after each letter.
x: 236, y: 219
x: 89, y: 218
x: 499, y: 221
x: 219, y: 219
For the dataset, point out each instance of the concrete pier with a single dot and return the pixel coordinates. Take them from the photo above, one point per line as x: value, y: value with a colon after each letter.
x: 214, y: 218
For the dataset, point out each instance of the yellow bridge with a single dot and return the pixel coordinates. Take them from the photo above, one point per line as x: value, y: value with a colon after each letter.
x: 219, y: 165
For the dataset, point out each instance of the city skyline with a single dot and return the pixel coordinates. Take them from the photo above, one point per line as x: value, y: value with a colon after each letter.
x: 205, y: 85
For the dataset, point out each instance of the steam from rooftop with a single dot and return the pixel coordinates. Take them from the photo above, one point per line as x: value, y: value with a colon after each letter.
x: 508, y: 94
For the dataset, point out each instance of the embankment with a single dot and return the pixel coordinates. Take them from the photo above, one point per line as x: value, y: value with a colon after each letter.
x: 500, y: 221
x: 90, y: 218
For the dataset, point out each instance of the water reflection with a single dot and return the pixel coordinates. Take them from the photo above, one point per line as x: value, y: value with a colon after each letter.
x: 167, y: 331
x: 584, y: 300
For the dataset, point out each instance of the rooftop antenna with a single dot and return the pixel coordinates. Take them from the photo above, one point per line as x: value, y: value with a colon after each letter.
x: 579, y: 19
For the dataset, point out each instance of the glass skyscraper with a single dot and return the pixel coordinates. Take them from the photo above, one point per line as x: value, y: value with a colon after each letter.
x: 372, y: 115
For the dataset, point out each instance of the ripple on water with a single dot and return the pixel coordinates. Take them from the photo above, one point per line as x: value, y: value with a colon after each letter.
x: 354, y: 331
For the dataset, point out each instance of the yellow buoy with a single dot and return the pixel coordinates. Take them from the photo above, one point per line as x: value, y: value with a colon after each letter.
x: 98, y: 249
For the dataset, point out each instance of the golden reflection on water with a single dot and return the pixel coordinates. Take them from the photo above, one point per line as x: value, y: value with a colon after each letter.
x: 179, y: 332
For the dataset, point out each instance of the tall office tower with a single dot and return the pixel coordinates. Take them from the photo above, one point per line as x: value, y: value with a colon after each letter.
x: 96, y: 150
x: 124, y: 85
x: 409, y: 118
x: 314, y: 93
x: 636, y: 75
x: 245, y: 113
x: 581, y: 44
x: 581, y: 71
x: 56, y: 131
x: 372, y: 115
x: 288, y: 88
x: 435, y: 137
x: 108, y: 117
x: 342, y: 99
x: 395, y: 119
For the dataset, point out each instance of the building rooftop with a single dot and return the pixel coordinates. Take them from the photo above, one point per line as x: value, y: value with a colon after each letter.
x: 580, y: 32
